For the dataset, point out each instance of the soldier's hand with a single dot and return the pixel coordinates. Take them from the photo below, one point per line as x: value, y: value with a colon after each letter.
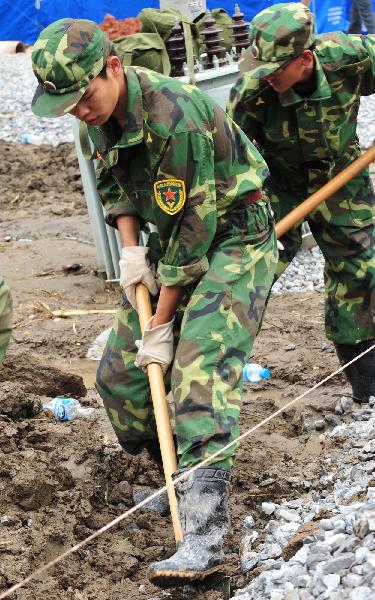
x: 135, y: 268
x: 156, y: 345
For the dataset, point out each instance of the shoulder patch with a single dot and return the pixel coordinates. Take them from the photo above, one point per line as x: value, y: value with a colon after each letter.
x: 170, y: 195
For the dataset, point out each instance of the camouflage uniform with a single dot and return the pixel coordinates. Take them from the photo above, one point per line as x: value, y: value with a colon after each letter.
x: 5, y: 317
x: 305, y: 142
x: 182, y: 165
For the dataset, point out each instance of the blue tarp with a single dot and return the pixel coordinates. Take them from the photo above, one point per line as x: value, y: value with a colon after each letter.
x: 23, y: 20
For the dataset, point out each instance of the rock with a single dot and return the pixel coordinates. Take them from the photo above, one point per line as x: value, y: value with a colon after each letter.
x: 289, y: 347
x: 332, y: 420
x: 249, y: 522
x: 362, y: 593
x: 288, y: 515
x: 331, y: 581
x: 338, y: 408
x: 327, y: 524
x: 361, y: 555
x: 319, y: 425
x: 339, y: 563
x: 250, y: 561
x: 361, y: 527
x: 339, y: 431
x: 271, y: 551
x: 268, y: 507
x: 346, y: 404
x: 352, y: 580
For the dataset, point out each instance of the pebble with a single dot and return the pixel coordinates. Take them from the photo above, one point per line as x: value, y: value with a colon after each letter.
x: 337, y: 561
x: 268, y: 507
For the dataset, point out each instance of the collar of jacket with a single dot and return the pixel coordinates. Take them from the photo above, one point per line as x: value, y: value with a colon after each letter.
x: 322, y: 92
x: 132, y: 133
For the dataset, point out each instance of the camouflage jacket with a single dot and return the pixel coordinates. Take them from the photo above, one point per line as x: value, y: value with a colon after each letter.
x: 5, y: 317
x: 180, y: 163
x: 305, y: 141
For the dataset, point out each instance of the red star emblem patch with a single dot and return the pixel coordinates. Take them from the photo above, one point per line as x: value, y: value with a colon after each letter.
x: 170, y: 195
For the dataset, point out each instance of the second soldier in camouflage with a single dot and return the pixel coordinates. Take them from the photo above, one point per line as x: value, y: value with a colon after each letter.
x: 298, y: 99
x: 169, y: 156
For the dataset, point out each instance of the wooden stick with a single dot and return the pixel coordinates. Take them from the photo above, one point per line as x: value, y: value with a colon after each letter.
x: 163, y: 424
x: 306, y: 207
x: 83, y: 311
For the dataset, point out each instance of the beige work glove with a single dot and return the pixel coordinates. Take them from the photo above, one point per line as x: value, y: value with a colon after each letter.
x: 135, y: 268
x: 156, y: 346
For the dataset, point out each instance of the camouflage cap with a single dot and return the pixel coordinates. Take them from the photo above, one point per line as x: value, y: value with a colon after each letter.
x: 277, y: 35
x: 67, y: 55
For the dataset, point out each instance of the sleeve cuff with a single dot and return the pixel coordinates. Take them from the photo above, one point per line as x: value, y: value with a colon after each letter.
x: 181, y: 276
x: 117, y: 210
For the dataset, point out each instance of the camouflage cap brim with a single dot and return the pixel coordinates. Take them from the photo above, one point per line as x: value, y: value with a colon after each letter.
x: 45, y: 104
x: 258, y: 68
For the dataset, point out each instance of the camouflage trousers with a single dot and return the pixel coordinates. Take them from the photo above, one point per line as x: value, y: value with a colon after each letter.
x: 344, y: 229
x: 215, y: 329
x: 5, y: 317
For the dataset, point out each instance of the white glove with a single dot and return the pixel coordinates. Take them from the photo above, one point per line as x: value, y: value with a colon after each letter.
x: 156, y: 345
x: 135, y: 268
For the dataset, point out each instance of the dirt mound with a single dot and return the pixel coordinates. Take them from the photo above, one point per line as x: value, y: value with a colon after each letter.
x: 24, y: 375
x: 35, y: 177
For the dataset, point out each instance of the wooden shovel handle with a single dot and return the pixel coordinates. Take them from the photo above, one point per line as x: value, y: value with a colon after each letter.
x: 163, y: 424
x: 306, y: 207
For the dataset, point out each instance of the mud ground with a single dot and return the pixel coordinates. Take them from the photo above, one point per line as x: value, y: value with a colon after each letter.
x: 59, y: 482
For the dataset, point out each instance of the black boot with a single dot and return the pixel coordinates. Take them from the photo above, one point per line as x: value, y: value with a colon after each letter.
x: 203, y: 506
x: 361, y: 374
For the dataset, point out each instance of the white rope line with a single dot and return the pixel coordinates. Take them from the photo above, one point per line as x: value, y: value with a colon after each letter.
x: 181, y: 477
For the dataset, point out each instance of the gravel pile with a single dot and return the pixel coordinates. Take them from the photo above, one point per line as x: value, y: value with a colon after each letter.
x: 304, y: 274
x: 16, y: 117
x: 337, y: 557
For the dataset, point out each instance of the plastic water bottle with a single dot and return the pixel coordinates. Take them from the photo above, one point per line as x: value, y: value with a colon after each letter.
x: 31, y: 138
x: 253, y: 373
x: 66, y: 409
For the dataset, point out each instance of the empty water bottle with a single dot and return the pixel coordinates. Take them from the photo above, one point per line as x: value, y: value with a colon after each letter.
x: 32, y: 138
x: 252, y: 373
x: 66, y: 409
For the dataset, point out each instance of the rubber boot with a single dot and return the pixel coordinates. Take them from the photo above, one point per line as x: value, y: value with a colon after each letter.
x: 361, y: 374
x: 203, y: 506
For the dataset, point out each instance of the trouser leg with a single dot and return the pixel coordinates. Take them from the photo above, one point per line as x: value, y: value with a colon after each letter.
x: 344, y: 228
x: 123, y: 387
x: 366, y: 15
x: 345, y: 231
x: 355, y: 25
x: 217, y: 334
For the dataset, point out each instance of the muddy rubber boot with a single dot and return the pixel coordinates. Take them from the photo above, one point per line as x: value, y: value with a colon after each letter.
x: 203, y: 506
x: 361, y: 374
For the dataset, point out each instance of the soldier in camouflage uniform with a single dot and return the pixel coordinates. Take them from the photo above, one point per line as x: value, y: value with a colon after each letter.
x: 169, y: 156
x: 298, y: 98
x: 5, y: 317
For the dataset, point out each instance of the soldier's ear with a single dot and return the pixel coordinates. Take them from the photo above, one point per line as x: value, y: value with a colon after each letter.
x: 114, y: 64
x: 307, y: 58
